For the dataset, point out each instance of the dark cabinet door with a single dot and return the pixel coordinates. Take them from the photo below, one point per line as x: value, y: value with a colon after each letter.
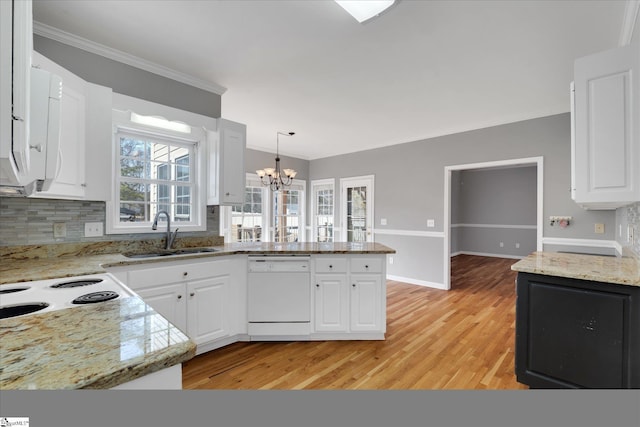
x: 574, y: 333
x: 577, y: 335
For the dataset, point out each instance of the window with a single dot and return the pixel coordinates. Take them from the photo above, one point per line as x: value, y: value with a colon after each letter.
x: 287, y: 210
x: 156, y: 170
x: 265, y: 215
x: 322, y: 207
x: 247, y: 220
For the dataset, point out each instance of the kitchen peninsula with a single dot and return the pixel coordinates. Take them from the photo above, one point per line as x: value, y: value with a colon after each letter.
x: 578, y: 321
x: 79, y: 347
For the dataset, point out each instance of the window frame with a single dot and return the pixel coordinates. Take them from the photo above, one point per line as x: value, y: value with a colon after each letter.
x: 252, y: 180
x: 197, y: 143
x: 301, y: 186
x: 315, y: 186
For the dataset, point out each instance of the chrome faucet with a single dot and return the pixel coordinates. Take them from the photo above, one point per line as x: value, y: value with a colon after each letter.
x: 171, y: 237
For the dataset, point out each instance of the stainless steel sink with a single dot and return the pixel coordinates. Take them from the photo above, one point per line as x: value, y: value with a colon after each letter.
x: 163, y: 253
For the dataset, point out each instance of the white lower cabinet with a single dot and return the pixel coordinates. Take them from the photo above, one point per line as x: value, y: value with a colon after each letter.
x: 331, y: 303
x: 206, y: 299
x: 350, y: 297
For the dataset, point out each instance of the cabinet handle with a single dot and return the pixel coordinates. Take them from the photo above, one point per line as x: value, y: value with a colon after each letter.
x: 192, y: 294
x: 354, y: 285
x: 227, y: 194
x: 185, y: 274
x: 317, y: 285
x: 179, y: 296
x: 366, y: 266
x: 330, y: 266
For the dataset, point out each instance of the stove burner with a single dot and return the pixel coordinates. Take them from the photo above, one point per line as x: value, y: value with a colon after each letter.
x: 76, y: 283
x: 95, y: 297
x: 13, y: 290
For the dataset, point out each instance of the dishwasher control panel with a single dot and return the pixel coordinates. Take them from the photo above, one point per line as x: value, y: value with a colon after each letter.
x: 266, y: 264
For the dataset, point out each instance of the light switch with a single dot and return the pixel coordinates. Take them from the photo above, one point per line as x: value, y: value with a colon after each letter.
x: 383, y: 221
x: 599, y: 228
x: 431, y: 223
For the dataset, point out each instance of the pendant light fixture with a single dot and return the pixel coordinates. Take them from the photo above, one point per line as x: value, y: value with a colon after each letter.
x: 274, y: 178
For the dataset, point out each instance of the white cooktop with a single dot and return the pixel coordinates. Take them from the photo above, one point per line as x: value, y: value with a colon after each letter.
x: 60, y: 293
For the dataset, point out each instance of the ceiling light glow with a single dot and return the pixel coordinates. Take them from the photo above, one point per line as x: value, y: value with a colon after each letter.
x: 364, y: 10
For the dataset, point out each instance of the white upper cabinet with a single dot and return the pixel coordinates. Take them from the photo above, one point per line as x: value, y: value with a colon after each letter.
x: 16, y: 40
x: 606, y: 129
x: 226, y: 163
x: 84, y: 166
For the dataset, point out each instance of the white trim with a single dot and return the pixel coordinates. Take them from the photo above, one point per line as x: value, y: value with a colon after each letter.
x: 416, y: 282
x: 488, y: 255
x: 412, y: 233
x: 515, y: 227
x: 313, y: 227
x: 122, y: 125
x: 628, y: 22
x: 537, y: 161
x: 593, y: 243
x: 99, y: 49
x: 618, y: 248
x: 369, y: 182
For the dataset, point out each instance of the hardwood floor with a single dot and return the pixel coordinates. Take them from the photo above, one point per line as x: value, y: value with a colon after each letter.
x: 457, y: 339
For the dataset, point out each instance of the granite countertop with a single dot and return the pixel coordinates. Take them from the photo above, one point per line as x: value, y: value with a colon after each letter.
x: 623, y: 271
x: 19, y: 266
x: 89, y: 347
x: 104, y: 345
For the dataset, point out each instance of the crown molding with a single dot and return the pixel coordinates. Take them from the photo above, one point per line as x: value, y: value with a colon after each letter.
x: 628, y: 21
x: 126, y: 58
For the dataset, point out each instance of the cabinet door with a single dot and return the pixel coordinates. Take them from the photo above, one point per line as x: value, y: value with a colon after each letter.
x: 99, y: 156
x: 207, y: 319
x: 366, y: 303
x: 331, y: 303
x: 70, y: 180
x: 232, y: 174
x: 169, y: 301
x: 606, y: 146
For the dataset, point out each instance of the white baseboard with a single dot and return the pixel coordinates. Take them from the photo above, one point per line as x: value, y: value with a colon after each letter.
x: 418, y: 282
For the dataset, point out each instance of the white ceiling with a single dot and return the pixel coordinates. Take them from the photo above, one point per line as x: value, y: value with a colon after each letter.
x: 421, y: 69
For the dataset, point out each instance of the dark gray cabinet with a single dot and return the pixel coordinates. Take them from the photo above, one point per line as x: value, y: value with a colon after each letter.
x: 577, y: 334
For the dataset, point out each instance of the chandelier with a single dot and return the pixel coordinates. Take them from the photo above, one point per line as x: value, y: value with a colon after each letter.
x: 273, y: 177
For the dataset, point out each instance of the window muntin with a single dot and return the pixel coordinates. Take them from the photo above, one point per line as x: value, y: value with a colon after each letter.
x: 287, y: 215
x: 154, y: 175
x: 266, y: 214
x: 247, y: 223
x: 323, y: 210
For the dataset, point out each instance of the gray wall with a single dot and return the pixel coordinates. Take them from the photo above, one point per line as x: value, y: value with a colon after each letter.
x: 128, y: 80
x: 254, y: 160
x: 409, y: 185
x: 500, y: 197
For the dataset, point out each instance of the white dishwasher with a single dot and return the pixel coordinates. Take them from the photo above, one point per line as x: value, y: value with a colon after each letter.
x: 279, y: 296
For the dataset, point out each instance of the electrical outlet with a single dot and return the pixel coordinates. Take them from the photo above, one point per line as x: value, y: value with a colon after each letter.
x: 390, y: 260
x: 383, y: 221
x: 502, y: 244
x: 93, y: 229
x: 517, y: 245
x: 59, y: 230
x: 599, y: 229
x: 431, y: 223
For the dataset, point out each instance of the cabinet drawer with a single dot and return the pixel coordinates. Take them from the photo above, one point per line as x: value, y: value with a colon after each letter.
x: 366, y: 265
x: 169, y: 274
x: 331, y: 265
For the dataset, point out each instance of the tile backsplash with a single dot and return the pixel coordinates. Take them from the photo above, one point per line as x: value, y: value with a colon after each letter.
x: 25, y: 221
x: 633, y: 219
